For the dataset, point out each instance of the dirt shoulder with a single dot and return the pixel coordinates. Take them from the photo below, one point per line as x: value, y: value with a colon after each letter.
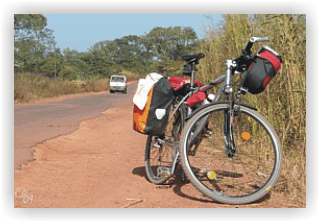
x: 101, y: 165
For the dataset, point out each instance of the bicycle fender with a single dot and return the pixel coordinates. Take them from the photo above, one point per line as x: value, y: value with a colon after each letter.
x: 216, y: 103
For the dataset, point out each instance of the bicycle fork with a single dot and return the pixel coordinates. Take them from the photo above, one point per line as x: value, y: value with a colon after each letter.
x: 228, y: 131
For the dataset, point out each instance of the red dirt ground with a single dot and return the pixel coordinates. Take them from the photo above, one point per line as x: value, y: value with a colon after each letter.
x: 101, y: 165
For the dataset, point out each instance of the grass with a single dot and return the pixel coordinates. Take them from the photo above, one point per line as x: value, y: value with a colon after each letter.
x: 29, y: 87
x: 283, y: 102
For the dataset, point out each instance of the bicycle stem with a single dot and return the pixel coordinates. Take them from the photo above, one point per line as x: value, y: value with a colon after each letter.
x: 229, y: 65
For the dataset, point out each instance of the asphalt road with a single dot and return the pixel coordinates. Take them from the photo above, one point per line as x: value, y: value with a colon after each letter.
x: 36, y: 123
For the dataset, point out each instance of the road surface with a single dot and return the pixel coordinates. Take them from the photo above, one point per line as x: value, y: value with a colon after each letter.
x: 37, y: 122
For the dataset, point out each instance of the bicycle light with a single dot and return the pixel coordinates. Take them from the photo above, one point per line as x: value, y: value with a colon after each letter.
x: 211, y: 97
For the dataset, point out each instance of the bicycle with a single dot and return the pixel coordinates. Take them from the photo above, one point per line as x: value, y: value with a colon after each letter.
x: 239, y: 160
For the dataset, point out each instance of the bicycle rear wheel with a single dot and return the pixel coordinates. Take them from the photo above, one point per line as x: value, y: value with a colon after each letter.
x: 246, y: 175
x: 161, y: 151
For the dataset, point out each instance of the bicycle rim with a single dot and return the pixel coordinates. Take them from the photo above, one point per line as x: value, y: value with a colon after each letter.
x: 251, y: 171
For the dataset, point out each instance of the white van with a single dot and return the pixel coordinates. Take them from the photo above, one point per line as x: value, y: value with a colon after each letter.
x: 118, y: 83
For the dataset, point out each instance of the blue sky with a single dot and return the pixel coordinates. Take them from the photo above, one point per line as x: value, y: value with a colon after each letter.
x: 80, y: 31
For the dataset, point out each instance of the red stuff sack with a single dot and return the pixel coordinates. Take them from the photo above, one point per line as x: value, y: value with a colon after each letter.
x: 196, y: 99
x: 178, y: 82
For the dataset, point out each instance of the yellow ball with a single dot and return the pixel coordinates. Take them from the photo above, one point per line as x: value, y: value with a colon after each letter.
x: 211, y: 175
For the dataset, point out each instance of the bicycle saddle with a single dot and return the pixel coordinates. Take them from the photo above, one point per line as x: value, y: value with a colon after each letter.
x: 189, y: 58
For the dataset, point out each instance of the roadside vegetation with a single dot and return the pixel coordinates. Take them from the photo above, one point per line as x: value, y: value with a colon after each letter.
x: 283, y: 102
x: 44, y: 70
x: 30, y: 87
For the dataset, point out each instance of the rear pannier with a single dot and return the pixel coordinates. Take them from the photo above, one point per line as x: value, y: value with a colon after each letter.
x: 152, y: 102
x: 262, y: 70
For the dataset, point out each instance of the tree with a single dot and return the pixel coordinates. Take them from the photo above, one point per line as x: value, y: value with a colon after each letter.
x: 32, y: 41
x: 168, y: 44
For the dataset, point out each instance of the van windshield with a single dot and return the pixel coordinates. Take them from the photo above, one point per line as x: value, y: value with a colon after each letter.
x: 117, y: 79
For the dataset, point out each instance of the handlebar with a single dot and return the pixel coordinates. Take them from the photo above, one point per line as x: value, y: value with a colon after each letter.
x: 253, y: 40
x: 245, y: 56
x: 259, y: 39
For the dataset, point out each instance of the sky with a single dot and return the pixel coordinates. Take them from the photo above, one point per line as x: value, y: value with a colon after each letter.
x: 81, y: 31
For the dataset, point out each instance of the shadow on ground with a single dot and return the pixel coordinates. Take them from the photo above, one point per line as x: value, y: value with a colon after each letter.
x: 178, y: 181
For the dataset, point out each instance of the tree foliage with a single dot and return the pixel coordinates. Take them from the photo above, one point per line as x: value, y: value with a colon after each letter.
x: 160, y: 49
x: 33, y: 43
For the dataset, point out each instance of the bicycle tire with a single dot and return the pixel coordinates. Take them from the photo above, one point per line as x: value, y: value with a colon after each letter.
x: 172, y: 134
x: 226, y: 184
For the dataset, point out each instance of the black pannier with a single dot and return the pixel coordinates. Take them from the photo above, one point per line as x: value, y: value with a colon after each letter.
x: 153, y: 118
x: 261, y: 71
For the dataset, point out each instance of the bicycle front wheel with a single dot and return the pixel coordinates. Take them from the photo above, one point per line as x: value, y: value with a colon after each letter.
x: 234, y: 176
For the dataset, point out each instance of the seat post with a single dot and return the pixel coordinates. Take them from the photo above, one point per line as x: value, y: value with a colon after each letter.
x: 192, y: 75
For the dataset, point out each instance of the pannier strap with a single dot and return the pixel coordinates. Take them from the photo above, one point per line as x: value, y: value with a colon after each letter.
x: 274, y: 60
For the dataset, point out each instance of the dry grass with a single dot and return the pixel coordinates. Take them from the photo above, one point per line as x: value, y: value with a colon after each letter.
x: 283, y: 102
x: 292, y: 182
x: 29, y: 87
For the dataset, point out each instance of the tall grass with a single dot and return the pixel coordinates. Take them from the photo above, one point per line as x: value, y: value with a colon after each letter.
x: 284, y: 100
x: 29, y: 87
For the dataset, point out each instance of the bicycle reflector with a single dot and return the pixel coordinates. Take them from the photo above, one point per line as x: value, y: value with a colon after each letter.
x: 246, y: 136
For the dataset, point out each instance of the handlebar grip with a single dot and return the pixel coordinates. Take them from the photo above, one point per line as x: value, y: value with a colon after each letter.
x: 249, y: 45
